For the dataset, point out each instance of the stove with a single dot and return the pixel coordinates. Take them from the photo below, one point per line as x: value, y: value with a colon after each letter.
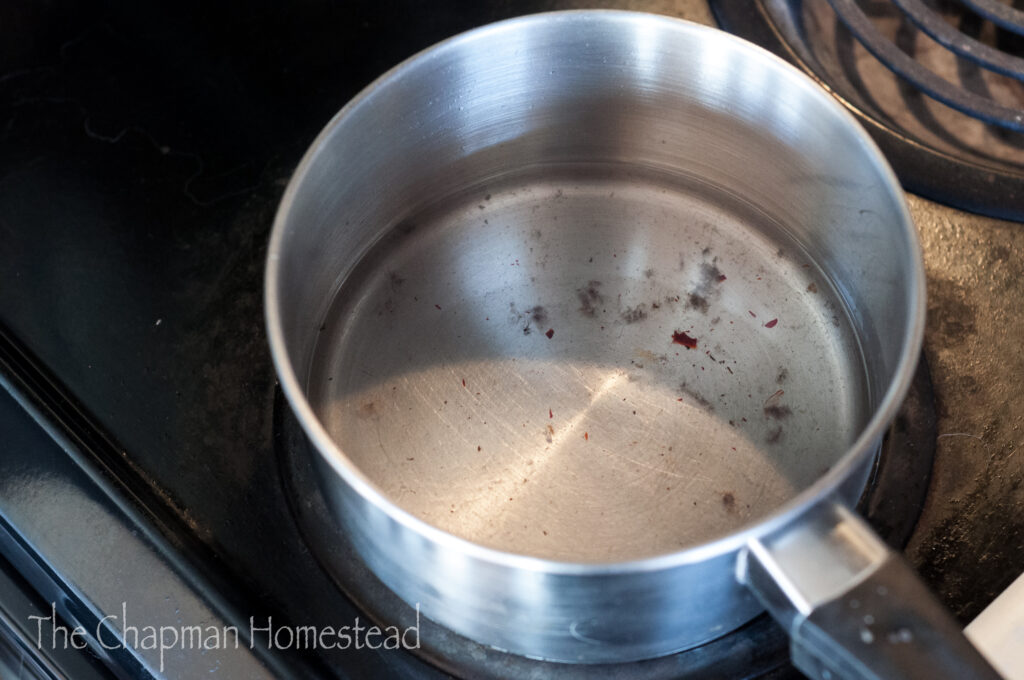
x: 150, y: 474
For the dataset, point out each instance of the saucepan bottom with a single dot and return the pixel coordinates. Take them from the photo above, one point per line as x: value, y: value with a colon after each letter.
x: 589, y: 363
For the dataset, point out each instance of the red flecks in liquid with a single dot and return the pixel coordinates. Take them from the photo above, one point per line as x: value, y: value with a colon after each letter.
x: 771, y: 324
x: 550, y: 333
x: 550, y: 414
x: 681, y: 338
x: 751, y: 314
x: 586, y: 436
x: 438, y: 306
x: 721, y: 277
x: 679, y: 399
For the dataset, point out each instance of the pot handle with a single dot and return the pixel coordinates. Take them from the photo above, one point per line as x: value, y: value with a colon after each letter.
x: 853, y: 608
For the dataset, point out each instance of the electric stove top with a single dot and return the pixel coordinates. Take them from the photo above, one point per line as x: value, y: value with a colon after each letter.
x: 146, y: 474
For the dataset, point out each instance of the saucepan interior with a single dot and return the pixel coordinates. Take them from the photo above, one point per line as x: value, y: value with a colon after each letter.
x: 591, y: 289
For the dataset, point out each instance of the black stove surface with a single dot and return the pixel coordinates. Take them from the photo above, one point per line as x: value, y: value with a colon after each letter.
x: 144, y: 149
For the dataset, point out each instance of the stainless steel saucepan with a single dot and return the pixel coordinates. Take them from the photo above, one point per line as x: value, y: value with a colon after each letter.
x: 596, y: 320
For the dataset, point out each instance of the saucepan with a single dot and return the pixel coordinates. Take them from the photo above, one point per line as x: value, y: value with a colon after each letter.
x: 595, y: 321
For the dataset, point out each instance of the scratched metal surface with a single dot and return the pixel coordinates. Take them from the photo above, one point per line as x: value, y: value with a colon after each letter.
x: 436, y: 376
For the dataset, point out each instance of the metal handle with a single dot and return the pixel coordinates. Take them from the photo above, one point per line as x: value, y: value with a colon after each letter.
x: 853, y: 608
